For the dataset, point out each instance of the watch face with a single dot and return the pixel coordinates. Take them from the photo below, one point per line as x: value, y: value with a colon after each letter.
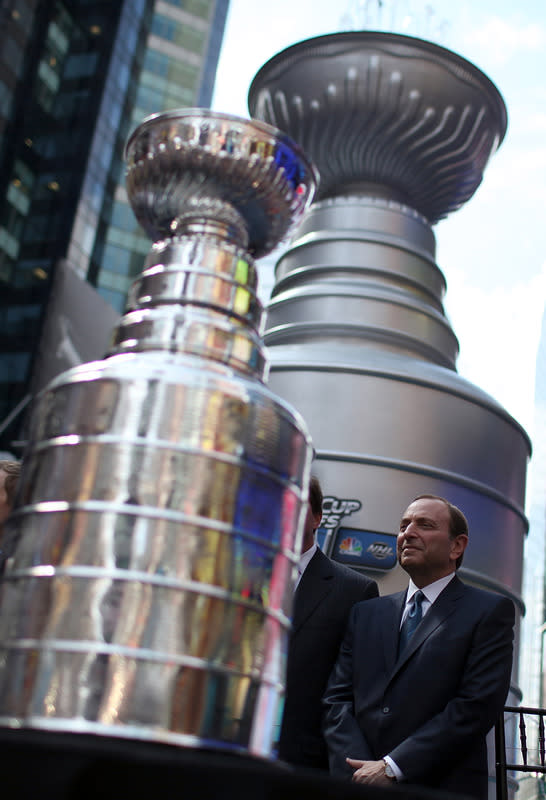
x: 389, y: 772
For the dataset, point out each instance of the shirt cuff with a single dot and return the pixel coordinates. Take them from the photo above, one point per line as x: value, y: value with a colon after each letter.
x: 395, y: 768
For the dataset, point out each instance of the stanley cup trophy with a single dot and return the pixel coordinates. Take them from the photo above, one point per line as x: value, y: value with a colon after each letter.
x: 164, y: 488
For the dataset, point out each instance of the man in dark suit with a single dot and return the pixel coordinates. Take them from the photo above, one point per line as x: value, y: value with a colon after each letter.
x: 324, y: 595
x: 419, y: 711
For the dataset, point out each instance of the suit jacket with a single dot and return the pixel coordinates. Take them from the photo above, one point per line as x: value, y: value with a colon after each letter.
x: 325, y: 595
x: 431, y: 707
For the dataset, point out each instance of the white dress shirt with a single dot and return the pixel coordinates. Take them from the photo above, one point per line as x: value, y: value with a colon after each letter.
x: 430, y: 592
x: 305, y: 558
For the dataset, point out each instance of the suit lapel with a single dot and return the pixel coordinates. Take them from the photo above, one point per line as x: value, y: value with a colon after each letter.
x: 444, y: 605
x: 316, y: 583
x: 390, y: 626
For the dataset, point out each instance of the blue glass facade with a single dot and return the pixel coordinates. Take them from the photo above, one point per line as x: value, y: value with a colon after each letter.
x: 76, y: 77
x: 178, y: 68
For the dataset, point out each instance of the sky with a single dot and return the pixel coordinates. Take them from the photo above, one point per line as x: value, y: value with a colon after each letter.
x: 492, y: 251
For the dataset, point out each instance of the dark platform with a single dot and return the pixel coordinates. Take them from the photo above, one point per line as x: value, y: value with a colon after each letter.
x: 60, y: 766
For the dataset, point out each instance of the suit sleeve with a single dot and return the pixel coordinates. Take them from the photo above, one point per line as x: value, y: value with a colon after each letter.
x: 341, y: 731
x: 474, y: 709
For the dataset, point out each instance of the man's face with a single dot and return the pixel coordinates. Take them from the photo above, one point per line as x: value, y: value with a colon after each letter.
x: 424, y: 547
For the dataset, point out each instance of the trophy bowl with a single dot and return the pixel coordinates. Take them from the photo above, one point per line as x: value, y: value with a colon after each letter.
x: 386, y: 115
x: 192, y: 170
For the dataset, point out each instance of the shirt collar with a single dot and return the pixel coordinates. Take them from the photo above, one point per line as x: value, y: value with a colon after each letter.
x: 306, y: 557
x: 431, y: 591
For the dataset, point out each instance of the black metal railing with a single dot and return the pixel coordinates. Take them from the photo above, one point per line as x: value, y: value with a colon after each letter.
x: 526, y: 751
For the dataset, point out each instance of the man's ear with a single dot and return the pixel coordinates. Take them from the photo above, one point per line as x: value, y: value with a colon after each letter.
x: 458, y: 545
x: 316, y: 520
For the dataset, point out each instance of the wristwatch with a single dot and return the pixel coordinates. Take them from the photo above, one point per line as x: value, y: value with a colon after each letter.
x: 389, y: 772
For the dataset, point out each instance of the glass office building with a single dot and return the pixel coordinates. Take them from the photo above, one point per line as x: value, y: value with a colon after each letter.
x: 75, y: 78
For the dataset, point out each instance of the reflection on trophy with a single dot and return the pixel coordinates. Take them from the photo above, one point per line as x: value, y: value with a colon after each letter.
x: 164, y: 487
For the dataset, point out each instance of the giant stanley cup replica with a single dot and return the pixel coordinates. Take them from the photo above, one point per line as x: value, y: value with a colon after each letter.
x: 164, y: 487
x: 400, y: 130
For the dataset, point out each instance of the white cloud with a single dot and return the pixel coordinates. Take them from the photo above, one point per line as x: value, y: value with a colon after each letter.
x: 254, y: 35
x: 516, y: 166
x: 498, y: 332
x: 533, y: 123
x: 503, y: 39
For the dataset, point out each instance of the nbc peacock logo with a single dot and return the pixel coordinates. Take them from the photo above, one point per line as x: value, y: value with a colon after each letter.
x: 351, y: 546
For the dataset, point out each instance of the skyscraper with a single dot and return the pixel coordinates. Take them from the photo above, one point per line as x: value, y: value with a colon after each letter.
x: 75, y: 78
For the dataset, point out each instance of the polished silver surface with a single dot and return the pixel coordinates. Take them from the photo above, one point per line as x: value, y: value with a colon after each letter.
x: 149, y: 585
x: 363, y: 269
x: 386, y: 115
x: 359, y: 342
x: 192, y: 170
x: 196, y: 295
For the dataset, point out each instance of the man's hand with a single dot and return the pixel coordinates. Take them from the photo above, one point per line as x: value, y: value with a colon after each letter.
x: 369, y: 772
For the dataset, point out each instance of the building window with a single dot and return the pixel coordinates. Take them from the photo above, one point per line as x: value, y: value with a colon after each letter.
x: 123, y: 217
x: 199, y: 8
x: 81, y: 65
x: 13, y: 367
x: 179, y: 33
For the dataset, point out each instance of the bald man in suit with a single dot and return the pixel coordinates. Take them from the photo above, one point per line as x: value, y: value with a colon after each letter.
x: 324, y: 595
x: 416, y: 706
